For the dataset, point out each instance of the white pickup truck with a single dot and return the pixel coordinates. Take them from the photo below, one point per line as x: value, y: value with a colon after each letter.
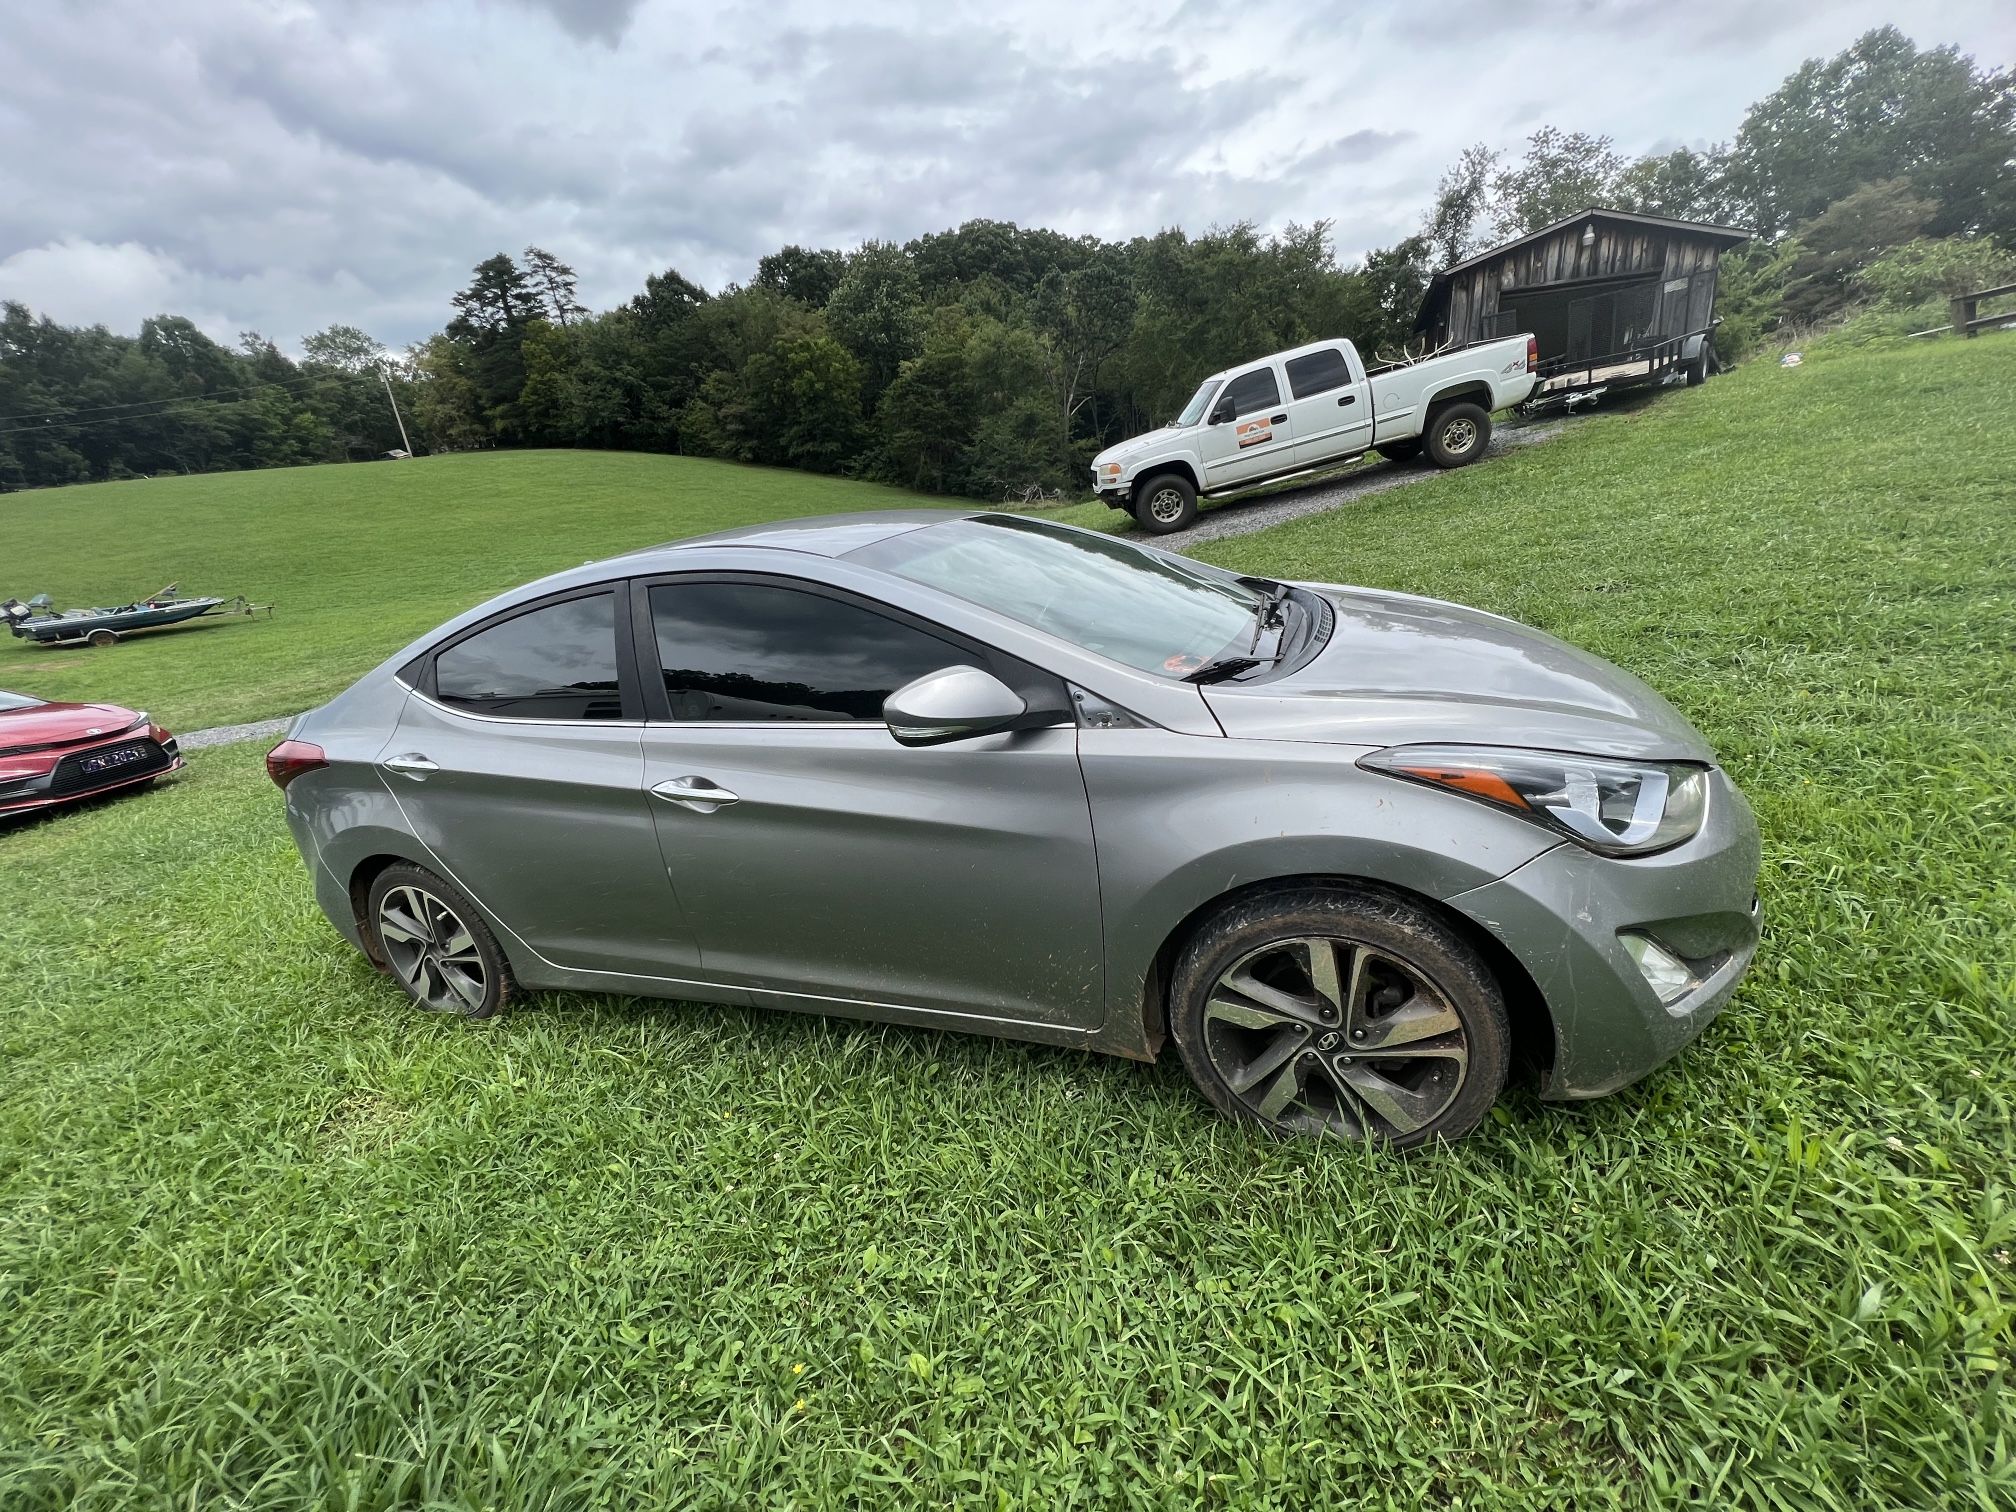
x: 1313, y: 407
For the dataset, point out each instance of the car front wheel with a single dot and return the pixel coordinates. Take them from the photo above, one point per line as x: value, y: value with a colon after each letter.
x: 1341, y: 1012
x: 437, y: 945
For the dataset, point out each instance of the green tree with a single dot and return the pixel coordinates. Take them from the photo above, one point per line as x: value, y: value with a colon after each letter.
x: 806, y: 276
x: 1882, y: 110
x: 1462, y: 196
x: 1561, y: 172
x: 876, y: 310
x: 553, y: 282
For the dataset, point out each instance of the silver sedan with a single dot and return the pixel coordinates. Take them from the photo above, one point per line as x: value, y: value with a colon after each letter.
x: 1360, y: 855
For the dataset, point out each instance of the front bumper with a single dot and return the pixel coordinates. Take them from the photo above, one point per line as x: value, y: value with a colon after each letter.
x: 1561, y: 915
x: 63, y: 779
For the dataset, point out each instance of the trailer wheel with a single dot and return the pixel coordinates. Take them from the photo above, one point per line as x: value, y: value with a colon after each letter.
x: 1697, y: 366
x: 1164, y: 503
x: 1457, y: 435
x: 102, y: 638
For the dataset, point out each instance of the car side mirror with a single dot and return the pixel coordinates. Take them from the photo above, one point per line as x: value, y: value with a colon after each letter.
x: 1221, y: 412
x: 953, y: 703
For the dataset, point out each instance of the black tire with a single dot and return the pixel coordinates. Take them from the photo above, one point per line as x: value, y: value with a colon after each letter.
x: 1698, y: 366
x: 102, y: 638
x: 1421, y: 990
x: 1400, y: 451
x: 1164, y: 504
x: 1457, y: 434
x: 438, y: 973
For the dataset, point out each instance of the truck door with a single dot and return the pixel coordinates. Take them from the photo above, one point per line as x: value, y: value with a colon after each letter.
x: 1250, y: 434
x: 1329, y: 406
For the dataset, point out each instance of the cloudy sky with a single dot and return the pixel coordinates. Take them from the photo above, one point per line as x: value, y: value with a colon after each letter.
x: 282, y: 164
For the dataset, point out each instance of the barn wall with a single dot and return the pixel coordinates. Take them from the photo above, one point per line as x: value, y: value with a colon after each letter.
x: 1619, y: 248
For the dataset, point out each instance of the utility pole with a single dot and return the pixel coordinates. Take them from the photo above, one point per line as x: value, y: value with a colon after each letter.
x: 382, y: 378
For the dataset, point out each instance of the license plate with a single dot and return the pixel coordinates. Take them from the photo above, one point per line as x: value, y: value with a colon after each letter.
x: 118, y: 756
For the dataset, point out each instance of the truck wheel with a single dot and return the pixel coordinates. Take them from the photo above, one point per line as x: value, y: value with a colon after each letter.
x: 1164, y: 504
x: 1457, y: 435
x: 1400, y: 451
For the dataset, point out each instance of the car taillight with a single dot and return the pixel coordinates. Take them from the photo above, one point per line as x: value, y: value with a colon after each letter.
x: 1532, y: 353
x: 292, y: 758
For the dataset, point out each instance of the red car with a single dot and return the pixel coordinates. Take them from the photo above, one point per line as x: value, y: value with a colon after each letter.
x: 54, y: 753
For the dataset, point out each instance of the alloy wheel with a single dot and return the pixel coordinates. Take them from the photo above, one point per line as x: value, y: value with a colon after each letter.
x: 1165, y: 505
x: 1327, y: 1035
x: 1459, y: 435
x: 432, y: 951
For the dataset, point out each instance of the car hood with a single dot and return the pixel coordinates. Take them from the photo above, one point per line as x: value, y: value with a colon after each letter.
x: 54, y: 723
x: 1400, y: 669
x: 1134, y: 446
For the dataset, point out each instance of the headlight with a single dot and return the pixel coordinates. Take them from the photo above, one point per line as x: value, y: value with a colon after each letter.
x: 1109, y: 469
x: 1620, y: 808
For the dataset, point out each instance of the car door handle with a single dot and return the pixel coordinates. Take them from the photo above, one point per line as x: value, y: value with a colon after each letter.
x: 1278, y: 420
x: 700, y: 794
x: 1348, y: 399
x: 412, y: 765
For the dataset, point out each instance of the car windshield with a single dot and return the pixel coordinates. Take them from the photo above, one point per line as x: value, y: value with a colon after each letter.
x: 17, y: 701
x: 1199, y: 402
x: 1149, y: 611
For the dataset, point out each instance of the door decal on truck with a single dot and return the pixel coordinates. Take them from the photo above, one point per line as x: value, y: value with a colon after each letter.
x: 1256, y: 432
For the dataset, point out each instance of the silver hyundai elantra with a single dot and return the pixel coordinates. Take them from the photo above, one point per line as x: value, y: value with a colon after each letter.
x: 1360, y: 854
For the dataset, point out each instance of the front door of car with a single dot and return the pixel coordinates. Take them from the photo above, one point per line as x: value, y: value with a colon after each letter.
x: 1250, y: 434
x: 823, y: 863
x: 1329, y: 407
x: 519, y: 762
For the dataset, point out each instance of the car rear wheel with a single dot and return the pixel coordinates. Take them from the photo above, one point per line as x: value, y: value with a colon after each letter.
x: 1342, y: 1012
x: 1164, y: 504
x: 436, y: 943
x: 1457, y: 435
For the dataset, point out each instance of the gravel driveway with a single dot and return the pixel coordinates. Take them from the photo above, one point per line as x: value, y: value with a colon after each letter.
x: 1248, y: 515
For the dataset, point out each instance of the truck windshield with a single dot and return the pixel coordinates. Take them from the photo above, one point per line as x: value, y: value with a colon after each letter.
x: 1149, y: 611
x: 1199, y: 403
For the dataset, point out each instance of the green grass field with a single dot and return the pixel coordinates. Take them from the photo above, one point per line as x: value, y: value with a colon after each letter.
x: 269, y: 1239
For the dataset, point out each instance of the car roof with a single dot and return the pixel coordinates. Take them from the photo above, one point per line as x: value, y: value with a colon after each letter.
x: 817, y: 535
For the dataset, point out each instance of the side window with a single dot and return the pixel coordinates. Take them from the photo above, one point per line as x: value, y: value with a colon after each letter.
x: 1317, y: 373
x: 558, y: 662
x: 737, y: 652
x: 1252, y: 391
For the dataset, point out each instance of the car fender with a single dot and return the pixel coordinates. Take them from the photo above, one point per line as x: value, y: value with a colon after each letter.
x: 1181, y: 821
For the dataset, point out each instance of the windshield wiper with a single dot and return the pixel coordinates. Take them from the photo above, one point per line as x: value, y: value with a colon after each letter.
x: 1220, y: 668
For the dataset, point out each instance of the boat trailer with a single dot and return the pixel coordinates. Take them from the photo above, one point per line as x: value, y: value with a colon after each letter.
x: 38, y: 620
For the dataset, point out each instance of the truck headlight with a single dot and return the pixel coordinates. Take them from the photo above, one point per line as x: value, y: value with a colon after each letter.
x: 1109, y: 470
x: 1617, y: 808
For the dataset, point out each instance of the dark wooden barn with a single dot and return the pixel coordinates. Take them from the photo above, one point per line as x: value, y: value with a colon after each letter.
x: 1612, y: 297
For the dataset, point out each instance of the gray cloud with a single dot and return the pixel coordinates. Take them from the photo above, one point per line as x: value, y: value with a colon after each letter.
x: 283, y: 167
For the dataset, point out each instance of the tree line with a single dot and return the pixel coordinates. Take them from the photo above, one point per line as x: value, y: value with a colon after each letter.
x: 980, y: 360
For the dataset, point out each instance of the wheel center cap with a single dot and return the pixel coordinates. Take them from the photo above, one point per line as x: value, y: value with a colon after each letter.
x: 1330, y: 1041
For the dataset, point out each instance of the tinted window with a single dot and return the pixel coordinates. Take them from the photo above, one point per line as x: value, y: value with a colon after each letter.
x: 553, y: 663
x: 1252, y: 391
x: 1317, y: 373
x: 745, y: 651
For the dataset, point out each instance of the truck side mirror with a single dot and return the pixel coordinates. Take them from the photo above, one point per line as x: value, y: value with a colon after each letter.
x: 1221, y: 412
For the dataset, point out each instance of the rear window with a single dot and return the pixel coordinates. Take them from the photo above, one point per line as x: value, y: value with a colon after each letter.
x: 1317, y: 373
x: 556, y: 662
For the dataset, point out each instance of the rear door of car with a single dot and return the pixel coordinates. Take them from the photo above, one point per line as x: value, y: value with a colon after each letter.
x: 824, y: 864
x: 1250, y: 434
x: 519, y: 762
x: 1329, y: 406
